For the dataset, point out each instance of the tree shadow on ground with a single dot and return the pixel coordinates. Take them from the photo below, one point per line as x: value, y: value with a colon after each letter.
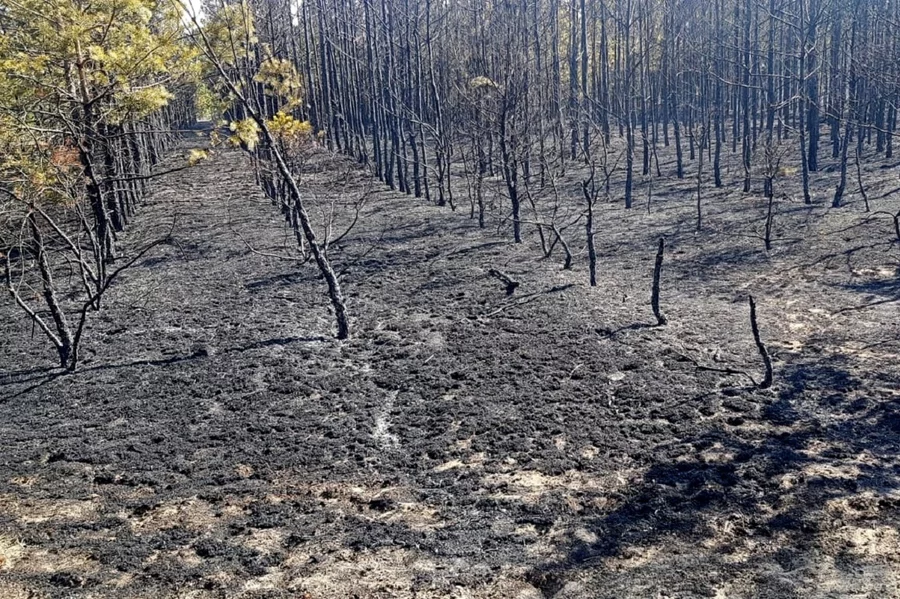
x: 18, y: 381
x: 889, y: 287
x: 289, y: 279
x: 830, y: 374
x: 781, y: 485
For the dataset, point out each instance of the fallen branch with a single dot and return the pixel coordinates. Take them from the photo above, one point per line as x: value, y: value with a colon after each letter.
x: 528, y: 299
x: 704, y: 368
x: 131, y: 178
x: 864, y: 306
x: 511, y: 285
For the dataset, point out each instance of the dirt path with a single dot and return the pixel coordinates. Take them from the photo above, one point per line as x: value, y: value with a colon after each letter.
x: 219, y: 443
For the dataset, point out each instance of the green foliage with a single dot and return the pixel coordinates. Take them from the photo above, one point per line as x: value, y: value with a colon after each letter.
x: 482, y: 82
x: 68, y: 68
x: 246, y: 133
x: 209, y: 104
x: 281, y: 80
x: 197, y: 156
x: 287, y: 127
x: 229, y: 38
x: 231, y: 33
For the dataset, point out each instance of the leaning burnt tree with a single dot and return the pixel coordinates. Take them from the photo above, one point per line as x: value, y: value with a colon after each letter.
x: 266, y: 90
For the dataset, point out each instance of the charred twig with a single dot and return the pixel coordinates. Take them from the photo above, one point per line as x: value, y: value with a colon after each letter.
x: 565, y: 246
x: 133, y: 178
x: 657, y: 270
x: 864, y: 306
x: 358, y: 207
x: 511, y: 285
x: 893, y: 217
x: 557, y: 239
x: 302, y: 259
x: 859, y: 180
x: 589, y: 190
x: 767, y: 381
x: 704, y: 368
x: 528, y: 299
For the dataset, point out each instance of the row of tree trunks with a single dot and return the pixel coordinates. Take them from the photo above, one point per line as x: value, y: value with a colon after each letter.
x: 416, y: 89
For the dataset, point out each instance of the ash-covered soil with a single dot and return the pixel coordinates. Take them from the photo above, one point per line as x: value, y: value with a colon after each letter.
x: 217, y: 442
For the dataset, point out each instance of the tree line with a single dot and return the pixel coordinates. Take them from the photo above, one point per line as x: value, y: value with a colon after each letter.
x: 521, y: 87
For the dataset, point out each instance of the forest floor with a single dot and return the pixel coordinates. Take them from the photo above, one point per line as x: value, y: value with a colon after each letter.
x: 217, y: 442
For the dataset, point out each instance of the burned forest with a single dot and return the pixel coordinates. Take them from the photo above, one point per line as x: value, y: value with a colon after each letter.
x: 473, y: 299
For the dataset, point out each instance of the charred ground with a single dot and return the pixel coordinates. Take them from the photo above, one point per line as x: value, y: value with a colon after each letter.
x: 217, y: 442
